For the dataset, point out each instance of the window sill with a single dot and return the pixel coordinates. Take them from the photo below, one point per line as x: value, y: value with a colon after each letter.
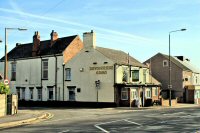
x: 124, y: 99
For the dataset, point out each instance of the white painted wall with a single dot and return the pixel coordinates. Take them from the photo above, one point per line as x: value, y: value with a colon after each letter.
x: 86, y: 79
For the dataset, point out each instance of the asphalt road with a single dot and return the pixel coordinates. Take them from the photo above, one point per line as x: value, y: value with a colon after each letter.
x: 116, y: 120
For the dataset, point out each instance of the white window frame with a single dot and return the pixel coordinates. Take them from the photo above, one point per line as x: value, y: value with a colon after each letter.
x: 124, y: 91
x: 197, y: 94
x: 134, y: 93
x: 31, y: 93
x: 45, y: 69
x: 155, y: 91
x: 133, y: 78
x: 167, y: 63
x: 148, y: 93
x: 39, y: 94
x: 68, y: 76
x: 50, y: 89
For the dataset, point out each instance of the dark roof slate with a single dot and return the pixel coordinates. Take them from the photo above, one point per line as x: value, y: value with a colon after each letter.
x: 25, y: 50
x: 119, y: 57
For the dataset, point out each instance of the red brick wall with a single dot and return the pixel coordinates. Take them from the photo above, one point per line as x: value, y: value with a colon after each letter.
x: 74, y: 48
x: 165, y: 102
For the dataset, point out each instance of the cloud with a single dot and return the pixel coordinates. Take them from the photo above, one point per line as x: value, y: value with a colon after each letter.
x: 127, y: 35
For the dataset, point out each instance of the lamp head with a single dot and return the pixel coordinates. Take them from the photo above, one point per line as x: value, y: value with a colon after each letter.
x: 183, y: 29
x: 21, y: 29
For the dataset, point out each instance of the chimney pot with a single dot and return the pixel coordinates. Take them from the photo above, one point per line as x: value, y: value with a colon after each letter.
x: 54, y: 37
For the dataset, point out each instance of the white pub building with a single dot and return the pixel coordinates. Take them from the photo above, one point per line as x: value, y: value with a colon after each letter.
x: 69, y: 70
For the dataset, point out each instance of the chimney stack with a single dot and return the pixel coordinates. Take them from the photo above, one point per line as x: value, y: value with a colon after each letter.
x: 89, y: 40
x: 36, y: 43
x: 54, y: 37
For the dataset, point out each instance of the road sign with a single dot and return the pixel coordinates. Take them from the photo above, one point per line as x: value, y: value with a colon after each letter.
x: 6, y: 81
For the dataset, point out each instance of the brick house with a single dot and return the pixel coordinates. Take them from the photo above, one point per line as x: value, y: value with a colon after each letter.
x: 36, y: 69
x: 183, y: 76
x: 67, y: 69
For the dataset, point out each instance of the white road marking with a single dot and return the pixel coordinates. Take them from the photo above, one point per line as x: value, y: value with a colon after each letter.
x: 132, y: 122
x: 64, y: 131
x: 175, y: 113
x: 105, y: 131
x: 103, y: 123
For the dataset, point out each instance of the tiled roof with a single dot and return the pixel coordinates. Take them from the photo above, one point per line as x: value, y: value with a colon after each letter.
x: 25, y: 50
x: 119, y: 57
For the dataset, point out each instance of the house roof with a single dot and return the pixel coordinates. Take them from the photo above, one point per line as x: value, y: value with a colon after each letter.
x: 119, y: 57
x: 177, y: 62
x: 189, y: 65
x: 25, y: 50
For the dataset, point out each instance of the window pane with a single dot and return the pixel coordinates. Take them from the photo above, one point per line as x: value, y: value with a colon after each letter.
x: 45, y: 69
x: 13, y: 72
x: 135, y: 75
x: 68, y: 73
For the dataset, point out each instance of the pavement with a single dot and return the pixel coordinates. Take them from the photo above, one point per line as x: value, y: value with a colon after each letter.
x: 31, y: 116
x: 24, y: 117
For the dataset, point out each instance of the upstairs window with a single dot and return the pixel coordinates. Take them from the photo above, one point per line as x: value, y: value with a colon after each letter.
x: 135, y: 75
x: 165, y: 63
x: 68, y: 74
x: 44, y: 69
x: 13, y: 71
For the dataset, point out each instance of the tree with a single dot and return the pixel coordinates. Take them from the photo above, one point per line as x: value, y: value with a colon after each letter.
x: 4, y: 89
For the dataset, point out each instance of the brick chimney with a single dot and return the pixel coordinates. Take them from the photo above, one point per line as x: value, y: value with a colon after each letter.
x: 89, y: 40
x: 36, y: 43
x: 54, y: 37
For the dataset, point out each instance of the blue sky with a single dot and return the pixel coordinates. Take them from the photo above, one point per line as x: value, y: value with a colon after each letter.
x: 138, y: 27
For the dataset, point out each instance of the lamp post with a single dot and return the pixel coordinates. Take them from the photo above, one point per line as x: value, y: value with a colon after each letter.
x: 170, y: 84
x: 6, y: 58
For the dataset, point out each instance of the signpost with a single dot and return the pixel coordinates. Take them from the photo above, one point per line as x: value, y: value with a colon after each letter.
x: 98, y: 87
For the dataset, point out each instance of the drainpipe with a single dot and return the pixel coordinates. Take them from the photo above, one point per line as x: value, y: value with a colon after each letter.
x: 41, y: 71
x: 63, y: 81
x: 56, y: 71
x: 41, y: 76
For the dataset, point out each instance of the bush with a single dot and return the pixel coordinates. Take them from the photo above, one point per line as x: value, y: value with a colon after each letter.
x: 4, y: 89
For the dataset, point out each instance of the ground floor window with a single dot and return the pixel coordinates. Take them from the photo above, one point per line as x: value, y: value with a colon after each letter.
x: 134, y: 94
x: 155, y: 91
x: 23, y: 93
x: 197, y: 93
x: 50, y: 93
x: 124, y: 94
x: 39, y: 93
x: 31, y: 93
x: 148, y: 93
x: 72, y: 94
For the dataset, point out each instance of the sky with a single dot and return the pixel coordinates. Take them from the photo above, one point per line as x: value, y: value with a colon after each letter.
x: 138, y: 27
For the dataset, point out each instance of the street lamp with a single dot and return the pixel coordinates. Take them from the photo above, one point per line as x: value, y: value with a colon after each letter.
x: 6, y: 58
x: 170, y: 84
